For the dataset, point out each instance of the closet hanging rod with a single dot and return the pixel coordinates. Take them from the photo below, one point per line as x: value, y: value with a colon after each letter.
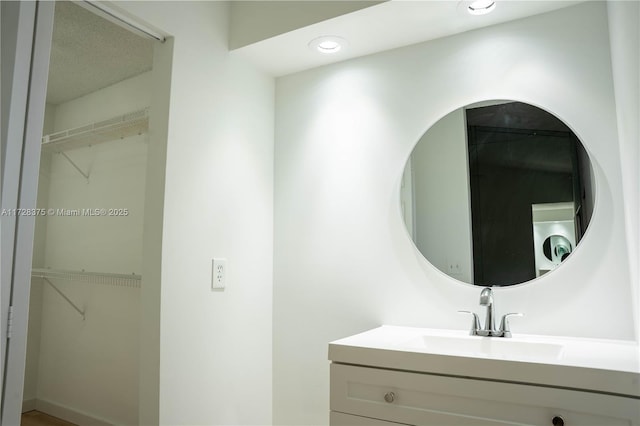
x: 104, y: 278
x: 118, y: 18
x: 64, y: 296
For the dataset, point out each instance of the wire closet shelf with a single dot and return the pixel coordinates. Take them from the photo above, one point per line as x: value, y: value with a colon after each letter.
x: 103, y: 278
x: 119, y: 127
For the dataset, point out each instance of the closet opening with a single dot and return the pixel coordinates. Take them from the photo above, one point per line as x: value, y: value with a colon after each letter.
x: 95, y: 184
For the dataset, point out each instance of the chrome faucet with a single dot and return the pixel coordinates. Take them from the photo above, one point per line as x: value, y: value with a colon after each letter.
x: 486, y: 299
x: 489, y: 330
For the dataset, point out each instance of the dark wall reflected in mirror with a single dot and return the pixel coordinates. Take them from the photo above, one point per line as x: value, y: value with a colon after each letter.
x: 487, y: 185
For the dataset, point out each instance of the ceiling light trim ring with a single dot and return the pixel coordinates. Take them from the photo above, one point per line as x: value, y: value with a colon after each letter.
x: 328, y: 44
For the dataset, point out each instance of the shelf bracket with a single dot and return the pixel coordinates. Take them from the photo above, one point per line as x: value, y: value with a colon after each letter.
x: 73, y: 305
x: 75, y: 166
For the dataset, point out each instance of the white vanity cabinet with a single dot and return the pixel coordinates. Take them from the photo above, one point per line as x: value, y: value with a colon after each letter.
x: 384, y: 386
x: 372, y: 396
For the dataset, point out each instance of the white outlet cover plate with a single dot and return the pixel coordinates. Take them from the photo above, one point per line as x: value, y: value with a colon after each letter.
x: 218, y: 273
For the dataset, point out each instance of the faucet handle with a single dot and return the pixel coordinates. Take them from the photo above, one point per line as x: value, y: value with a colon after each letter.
x: 475, y: 322
x: 504, y: 323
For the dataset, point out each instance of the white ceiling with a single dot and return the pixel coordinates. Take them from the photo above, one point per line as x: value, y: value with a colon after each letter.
x: 89, y: 53
x: 385, y: 26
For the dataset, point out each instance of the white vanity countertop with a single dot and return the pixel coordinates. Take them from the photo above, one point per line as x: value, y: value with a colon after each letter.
x: 611, y: 366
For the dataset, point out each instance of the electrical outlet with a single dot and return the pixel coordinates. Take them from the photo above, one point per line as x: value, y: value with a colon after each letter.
x: 218, y: 273
x: 453, y: 268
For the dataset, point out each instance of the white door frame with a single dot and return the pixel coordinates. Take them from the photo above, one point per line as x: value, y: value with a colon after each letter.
x: 28, y: 61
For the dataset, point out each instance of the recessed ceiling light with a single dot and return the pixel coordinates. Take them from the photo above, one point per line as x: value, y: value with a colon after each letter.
x: 328, y: 44
x: 481, y: 7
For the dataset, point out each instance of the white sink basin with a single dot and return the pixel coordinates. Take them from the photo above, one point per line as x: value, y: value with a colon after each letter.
x: 494, y: 347
x: 597, y: 364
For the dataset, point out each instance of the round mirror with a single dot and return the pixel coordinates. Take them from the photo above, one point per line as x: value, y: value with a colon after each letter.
x: 497, y: 193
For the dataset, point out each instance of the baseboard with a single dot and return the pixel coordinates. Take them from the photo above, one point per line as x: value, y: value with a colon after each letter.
x: 28, y: 405
x: 69, y: 414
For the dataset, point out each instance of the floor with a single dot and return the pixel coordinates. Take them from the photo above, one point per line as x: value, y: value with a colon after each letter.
x: 36, y: 418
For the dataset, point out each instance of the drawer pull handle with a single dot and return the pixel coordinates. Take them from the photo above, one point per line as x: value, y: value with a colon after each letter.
x: 557, y: 421
x: 390, y: 397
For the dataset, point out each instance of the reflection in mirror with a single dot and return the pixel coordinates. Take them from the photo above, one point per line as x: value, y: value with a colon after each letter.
x: 556, y: 248
x: 497, y: 193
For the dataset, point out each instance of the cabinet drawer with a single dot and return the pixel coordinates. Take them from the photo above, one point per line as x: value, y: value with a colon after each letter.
x: 426, y: 399
x: 341, y: 419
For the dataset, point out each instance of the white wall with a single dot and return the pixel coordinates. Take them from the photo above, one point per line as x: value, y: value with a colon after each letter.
x: 91, y: 366
x: 441, y: 177
x: 126, y: 96
x: 343, y: 260
x: 624, y: 28
x: 215, y: 347
x: 117, y: 180
x: 254, y: 21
